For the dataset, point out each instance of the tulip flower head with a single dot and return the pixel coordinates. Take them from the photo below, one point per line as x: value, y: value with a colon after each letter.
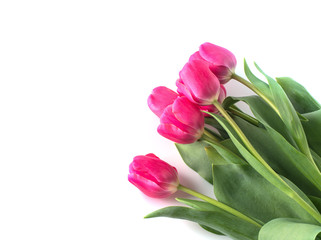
x: 221, y: 61
x: 198, y: 83
x: 181, y: 121
x: 153, y: 176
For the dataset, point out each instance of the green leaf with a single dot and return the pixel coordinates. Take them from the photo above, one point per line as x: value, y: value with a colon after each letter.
x: 264, y: 169
x: 266, y: 115
x: 283, y: 157
x: 195, y: 157
x: 223, y: 222
x: 242, y: 188
x: 301, y: 99
x: 212, y: 230
x: 258, y: 83
x: 289, y: 229
x: 222, y: 151
x: 260, y: 167
x: 313, y: 130
x: 288, y: 114
x: 212, y: 122
x: 203, y: 206
x: 316, y: 201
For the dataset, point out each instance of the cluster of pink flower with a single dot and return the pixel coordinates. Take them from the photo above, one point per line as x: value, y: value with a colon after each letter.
x: 200, y: 83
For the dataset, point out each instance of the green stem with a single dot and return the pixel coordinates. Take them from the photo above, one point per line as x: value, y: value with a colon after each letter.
x: 257, y: 91
x: 218, y: 204
x: 277, y: 180
x: 244, y: 116
x: 210, y: 136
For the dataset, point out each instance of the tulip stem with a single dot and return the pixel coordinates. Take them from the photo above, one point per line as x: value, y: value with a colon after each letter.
x: 210, y: 136
x: 244, y: 116
x: 257, y: 91
x: 218, y: 204
x: 264, y: 169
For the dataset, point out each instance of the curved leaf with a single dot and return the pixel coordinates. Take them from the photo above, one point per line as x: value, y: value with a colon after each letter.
x: 283, y: 157
x: 223, y: 222
x: 242, y: 188
x: 258, y: 83
x: 195, y: 157
x: 289, y: 229
x: 300, y: 98
x: 288, y: 115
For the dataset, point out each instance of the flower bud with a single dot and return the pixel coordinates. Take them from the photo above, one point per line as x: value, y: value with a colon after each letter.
x: 181, y: 122
x: 198, y: 83
x: 221, y: 61
x: 153, y: 176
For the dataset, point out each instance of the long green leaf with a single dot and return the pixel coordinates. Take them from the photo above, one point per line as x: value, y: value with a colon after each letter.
x: 289, y: 229
x: 203, y: 206
x: 223, y: 222
x: 242, y: 188
x: 266, y: 115
x: 264, y: 169
x: 288, y: 114
x: 258, y: 83
x: 283, y: 157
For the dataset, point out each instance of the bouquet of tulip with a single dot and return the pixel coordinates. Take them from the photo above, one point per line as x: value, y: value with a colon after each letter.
x: 264, y: 167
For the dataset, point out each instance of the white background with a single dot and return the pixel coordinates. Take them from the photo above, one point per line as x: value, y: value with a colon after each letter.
x: 74, y: 79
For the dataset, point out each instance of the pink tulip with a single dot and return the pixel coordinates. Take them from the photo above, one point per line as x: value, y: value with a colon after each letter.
x: 221, y: 61
x: 181, y: 122
x: 153, y: 176
x: 198, y: 83
x: 160, y: 98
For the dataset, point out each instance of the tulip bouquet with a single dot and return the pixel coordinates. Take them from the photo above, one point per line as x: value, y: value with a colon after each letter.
x: 264, y: 166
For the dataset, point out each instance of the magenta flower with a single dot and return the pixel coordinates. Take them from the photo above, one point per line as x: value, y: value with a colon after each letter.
x: 221, y: 61
x: 180, y: 120
x: 153, y: 176
x: 198, y: 83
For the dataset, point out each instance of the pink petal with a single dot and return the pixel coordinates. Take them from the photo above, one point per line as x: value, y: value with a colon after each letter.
x: 168, y: 117
x: 200, y: 81
x: 160, y: 98
x: 188, y: 113
x: 217, y: 55
x: 175, y: 134
x: 149, y: 187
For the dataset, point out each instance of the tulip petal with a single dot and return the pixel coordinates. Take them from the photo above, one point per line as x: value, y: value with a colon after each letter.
x: 217, y: 55
x: 188, y: 113
x: 153, y: 169
x: 200, y: 81
x: 222, y: 95
x: 149, y: 187
x: 168, y: 117
x: 175, y: 134
x: 160, y: 98
x: 195, y: 56
x: 152, y: 155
